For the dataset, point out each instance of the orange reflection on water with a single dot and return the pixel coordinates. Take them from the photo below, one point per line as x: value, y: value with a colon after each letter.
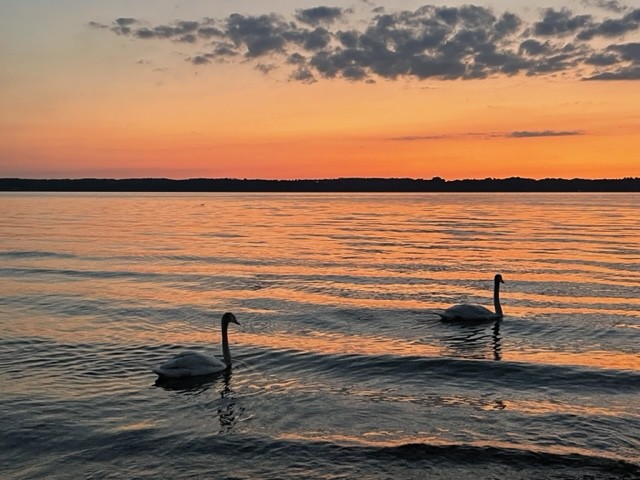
x: 591, y: 358
x: 402, y: 438
x: 334, y: 344
x: 541, y: 407
x: 134, y: 332
x: 326, y: 343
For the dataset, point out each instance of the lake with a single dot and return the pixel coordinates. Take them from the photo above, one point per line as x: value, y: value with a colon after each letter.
x: 341, y: 368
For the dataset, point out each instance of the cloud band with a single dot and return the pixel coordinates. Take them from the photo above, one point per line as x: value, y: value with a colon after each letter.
x: 432, y: 42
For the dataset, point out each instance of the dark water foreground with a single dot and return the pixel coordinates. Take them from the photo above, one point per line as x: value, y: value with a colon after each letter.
x: 94, y: 411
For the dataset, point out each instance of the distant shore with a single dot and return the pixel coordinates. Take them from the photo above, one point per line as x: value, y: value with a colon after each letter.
x: 436, y: 184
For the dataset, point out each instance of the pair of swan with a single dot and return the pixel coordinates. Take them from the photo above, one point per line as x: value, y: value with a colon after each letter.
x: 194, y: 364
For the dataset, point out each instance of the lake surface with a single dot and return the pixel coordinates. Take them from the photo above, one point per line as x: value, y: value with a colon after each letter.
x: 341, y: 370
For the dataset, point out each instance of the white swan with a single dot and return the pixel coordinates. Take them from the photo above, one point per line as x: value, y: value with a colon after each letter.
x: 193, y: 364
x: 467, y: 311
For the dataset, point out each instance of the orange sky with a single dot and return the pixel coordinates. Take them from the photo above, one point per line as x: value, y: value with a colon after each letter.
x: 83, y: 101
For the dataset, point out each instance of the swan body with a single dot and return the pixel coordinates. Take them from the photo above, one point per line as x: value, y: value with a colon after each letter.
x: 467, y: 311
x: 195, y: 364
x: 471, y: 312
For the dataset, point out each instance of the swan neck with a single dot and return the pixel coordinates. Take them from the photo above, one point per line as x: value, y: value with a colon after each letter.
x: 496, y: 297
x: 225, y: 345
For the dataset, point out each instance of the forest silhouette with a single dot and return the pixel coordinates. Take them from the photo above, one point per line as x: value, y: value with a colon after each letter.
x: 435, y: 184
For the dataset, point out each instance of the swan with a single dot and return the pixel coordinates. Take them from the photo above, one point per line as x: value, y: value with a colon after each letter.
x: 467, y: 311
x: 194, y: 364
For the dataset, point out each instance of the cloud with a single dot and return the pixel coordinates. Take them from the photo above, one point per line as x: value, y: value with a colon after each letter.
x: 490, y: 135
x: 544, y: 133
x: 304, y: 75
x: 534, y: 47
x: 317, y: 15
x: 628, y: 51
x: 419, y: 138
x: 628, y: 73
x: 610, y: 5
x: 98, y: 25
x: 624, y: 57
x: 431, y: 42
x: 200, y: 60
x: 613, y: 27
x: 560, y: 22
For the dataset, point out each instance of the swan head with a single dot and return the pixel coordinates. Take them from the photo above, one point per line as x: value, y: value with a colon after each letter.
x: 228, y: 318
x: 498, y: 279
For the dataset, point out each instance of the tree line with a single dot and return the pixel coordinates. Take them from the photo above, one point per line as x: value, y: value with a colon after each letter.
x: 436, y: 184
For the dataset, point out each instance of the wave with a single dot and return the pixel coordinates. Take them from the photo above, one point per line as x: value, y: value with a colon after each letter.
x: 61, y: 435
x: 150, y: 452
x: 417, y: 370
x: 35, y: 254
x: 473, y: 373
x: 460, y: 454
x: 75, y: 273
x: 423, y: 454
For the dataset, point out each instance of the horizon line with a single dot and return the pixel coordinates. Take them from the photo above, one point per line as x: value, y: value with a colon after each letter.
x: 320, y: 179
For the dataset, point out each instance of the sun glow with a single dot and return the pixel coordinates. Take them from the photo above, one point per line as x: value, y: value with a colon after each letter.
x: 143, y: 108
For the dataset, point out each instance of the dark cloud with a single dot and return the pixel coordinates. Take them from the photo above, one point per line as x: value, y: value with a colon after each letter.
x: 98, y: 25
x: 560, y: 22
x: 265, y: 68
x: 296, y: 59
x: 124, y: 22
x: 123, y: 26
x: 303, y: 75
x: 431, y: 42
x: 602, y: 59
x: 628, y: 51
x: 317, y: 15
x: 534, y: 47
x: 544, y: 133
x: 316, y: 39
x: 485, y: 135
x: 610, y: 5
x: 613, y: 27
x: 200, y: 60
x: 209, y: 31
x: 627, y: 73
x: 223, y: 49
x: 353, y: 72
x: 260, y: 35
x: 506, y: 25
x: 625, y: 58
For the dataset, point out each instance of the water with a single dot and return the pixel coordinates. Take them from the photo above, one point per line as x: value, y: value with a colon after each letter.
x: 340, y: 371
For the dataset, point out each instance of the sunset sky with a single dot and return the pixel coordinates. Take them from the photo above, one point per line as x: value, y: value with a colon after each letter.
x: 307, y: 89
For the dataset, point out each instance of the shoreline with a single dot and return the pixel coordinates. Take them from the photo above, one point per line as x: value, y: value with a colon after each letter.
x: 372, y: 185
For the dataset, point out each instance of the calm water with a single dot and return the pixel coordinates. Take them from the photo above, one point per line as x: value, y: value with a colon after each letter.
x: 340, y: 371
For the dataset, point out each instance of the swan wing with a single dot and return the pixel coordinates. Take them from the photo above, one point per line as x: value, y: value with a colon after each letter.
x: 468, y: 311
x: 190, y: 364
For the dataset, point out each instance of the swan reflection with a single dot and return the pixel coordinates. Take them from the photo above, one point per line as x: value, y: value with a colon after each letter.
x: 197, y: 385
x: 228, y: 412
x: 474, y: 340
x: 497, y: 341
x: 229, y: 415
